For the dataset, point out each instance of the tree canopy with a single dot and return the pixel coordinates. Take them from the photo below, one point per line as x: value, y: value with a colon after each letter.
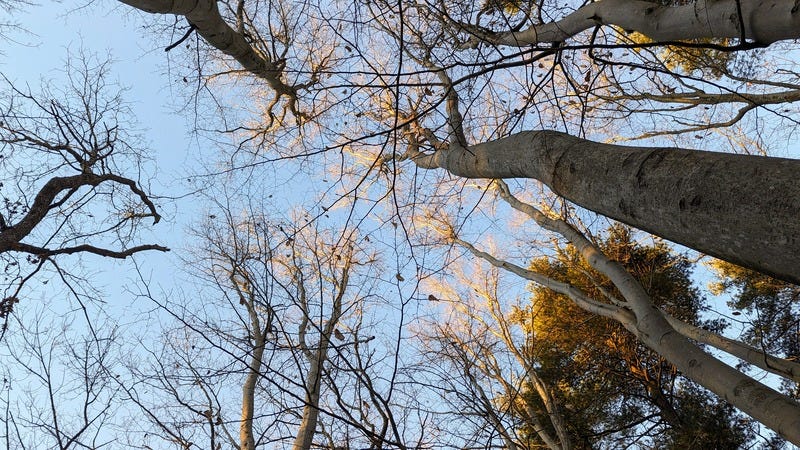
x: 608, y: 382
x: 375, y: 172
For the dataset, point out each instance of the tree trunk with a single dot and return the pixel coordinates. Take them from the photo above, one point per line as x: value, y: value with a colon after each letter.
x: 763, y: 21
x: 649, y: 325
x: 246, y: 436
x: 743, y: 209
x: 308, y: 426
x: 205, y: 17
x: 769, y: 407
x: 313, y: 381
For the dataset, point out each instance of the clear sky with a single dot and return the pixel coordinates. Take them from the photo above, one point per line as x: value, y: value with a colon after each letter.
x: 105, y: 28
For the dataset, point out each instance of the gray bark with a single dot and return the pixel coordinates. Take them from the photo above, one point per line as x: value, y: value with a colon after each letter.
x: 246, y: 436
x: 763, y: 21
x: 771, y: 408
x: 316, y: 359
x: 647, y: 323
x: 740, y: 208
x: 782, y: 367
x: 308, y: 425
x: 205, y: 16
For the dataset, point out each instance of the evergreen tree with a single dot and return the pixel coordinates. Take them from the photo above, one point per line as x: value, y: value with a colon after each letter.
x: 611, y: 387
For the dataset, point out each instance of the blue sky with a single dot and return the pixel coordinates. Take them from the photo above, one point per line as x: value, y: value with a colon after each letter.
x: 141, y: 65
x: 52, y: 30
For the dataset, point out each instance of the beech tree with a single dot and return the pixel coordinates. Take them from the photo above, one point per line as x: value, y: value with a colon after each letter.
x: 610, y: 380
x: 58, y: 386
x: 718, y: 203
x: 546, y: 373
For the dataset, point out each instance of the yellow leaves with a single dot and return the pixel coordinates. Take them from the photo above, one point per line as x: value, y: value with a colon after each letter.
x: 524, y: 317
x: 692, y: 57
x: 509, y: 7
x: 638, y: 38
x: 732, y: 276
x: 516, y: 315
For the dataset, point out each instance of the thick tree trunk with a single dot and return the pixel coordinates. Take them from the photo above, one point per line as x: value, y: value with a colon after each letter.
x: 743, y: 209
x: 763, y: 21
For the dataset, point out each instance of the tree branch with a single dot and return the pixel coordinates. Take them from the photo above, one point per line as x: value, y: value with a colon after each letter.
x: 209, y: 23
x: 85, y: 248
x: 764, y: 22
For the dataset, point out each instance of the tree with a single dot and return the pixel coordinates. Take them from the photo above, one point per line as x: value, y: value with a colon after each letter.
x: 64, y: 153
x: 610, y: 380
x: 276, y: 350
x: 479, y: 361
x: 666, y: 335
x: 772, y: 306
x: 444, y: 90
x: 717, y: 199
x: 546, y: 373
x: 58, y: 387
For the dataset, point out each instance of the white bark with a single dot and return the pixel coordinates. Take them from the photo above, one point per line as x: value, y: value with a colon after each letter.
x: 782, y: 367
x: 316, y: 359
x: 564, y: 441
x: 257, y: 333
x: 764, y: 21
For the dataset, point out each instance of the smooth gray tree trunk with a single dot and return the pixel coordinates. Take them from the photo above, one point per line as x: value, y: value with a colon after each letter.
x: 763, y: 21
x: 743, y: 209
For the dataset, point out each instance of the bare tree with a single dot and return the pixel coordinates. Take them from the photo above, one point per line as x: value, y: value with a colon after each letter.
x: 65, y: 153
x: 271, y: 347
x: 484, y: 365
x: 58, y: 385
x: 695, y: 213
x: 540, y: 93
x: 637, y: 313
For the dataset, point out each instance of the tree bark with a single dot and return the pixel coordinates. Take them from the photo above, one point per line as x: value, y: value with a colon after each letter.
x: 313, y: 380
x: 764, y: 404
x: 246, y: 435
x: 739, y: 208
x: 258, y: 334
x: 763, y: 21
x: 206, y: 17
x: 650, y: 326
x: 751, y: 355
x: 308, y: 425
